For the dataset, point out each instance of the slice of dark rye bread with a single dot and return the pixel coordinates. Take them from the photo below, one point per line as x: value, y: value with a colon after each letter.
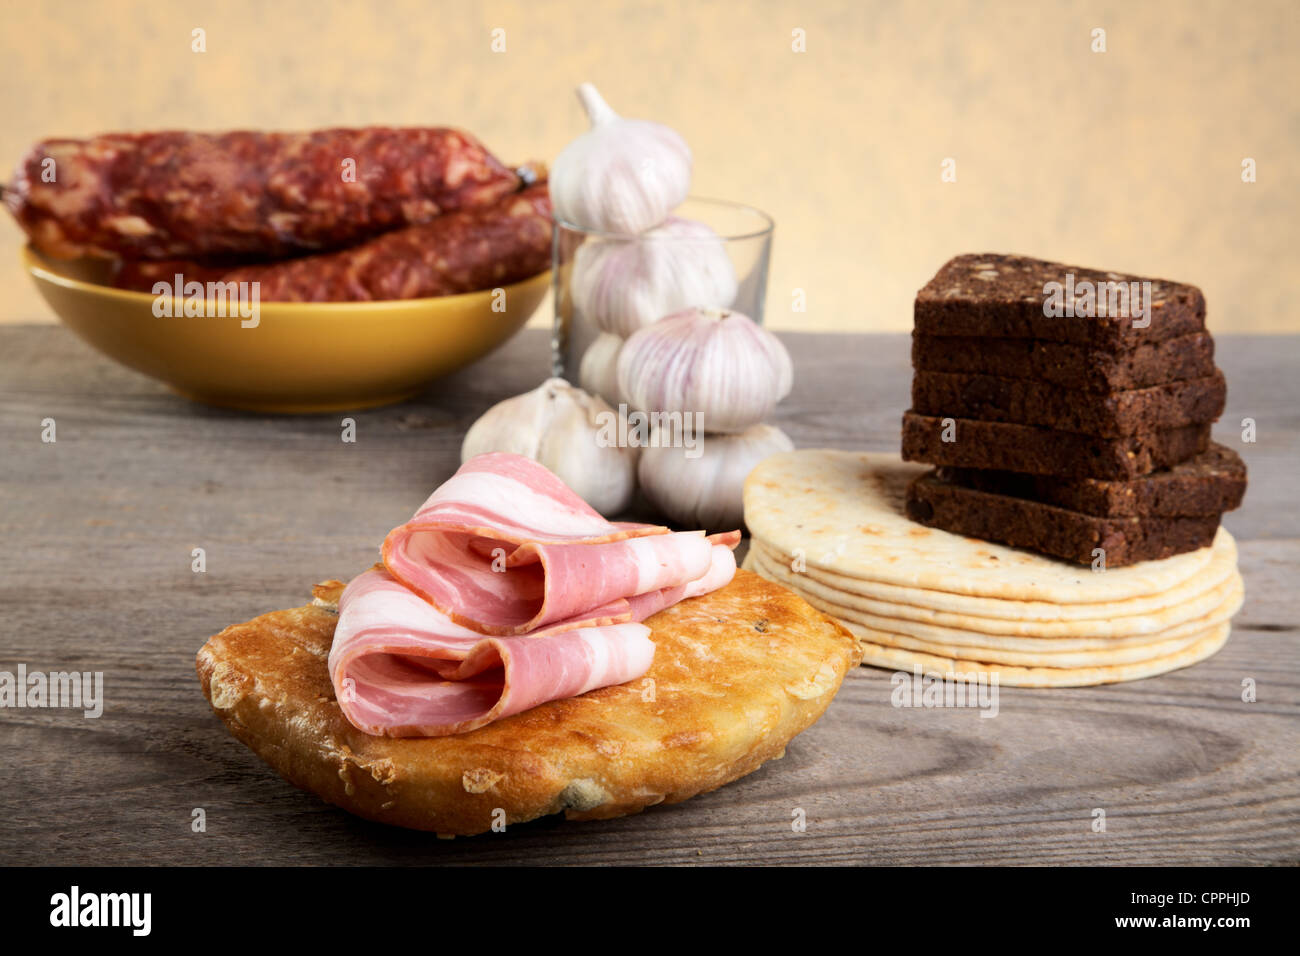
x: 1047, y: 451
x: 1003, y: 296
x: 1106, y: 414
x: 1072, y: 366
x: 1209, y: 484
x: 1059, y: 532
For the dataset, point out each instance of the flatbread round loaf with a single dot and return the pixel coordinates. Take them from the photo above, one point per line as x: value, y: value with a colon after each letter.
x: 737, y: 673
x: 1000, y: 610
x: 903, y: 659
x: 1133, y: 629
x: 844, y: 513
x: 1047, y: 653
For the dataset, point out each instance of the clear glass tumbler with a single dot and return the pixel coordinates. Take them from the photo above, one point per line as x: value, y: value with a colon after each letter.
x: 624, y: 279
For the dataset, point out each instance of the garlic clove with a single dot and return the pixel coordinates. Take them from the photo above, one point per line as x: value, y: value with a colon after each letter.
x: 598, y: 370
x: 721, y: 367
x: 568, y: 431
x: 625, y: 284
x: 706, y: 491
x: 622, y: 176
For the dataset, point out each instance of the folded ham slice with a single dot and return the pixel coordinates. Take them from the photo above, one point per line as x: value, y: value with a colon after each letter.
x: 506, y: 590
x: 401, y: 668
x: 505, y: 547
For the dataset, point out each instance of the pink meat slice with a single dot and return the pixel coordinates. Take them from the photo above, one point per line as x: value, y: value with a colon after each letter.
x: 401, y: 668
x: 504, y: 547
x: 505, y: 591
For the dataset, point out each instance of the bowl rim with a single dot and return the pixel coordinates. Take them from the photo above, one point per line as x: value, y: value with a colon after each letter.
x: 36, y: 266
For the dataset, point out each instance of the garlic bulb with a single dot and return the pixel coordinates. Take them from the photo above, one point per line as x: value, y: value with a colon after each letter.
x: 624, y: 284
x: 565, y: 429
x: 707, y: 491
x: 720, y: 366
x: 598, y: 370
x: 621, y: 176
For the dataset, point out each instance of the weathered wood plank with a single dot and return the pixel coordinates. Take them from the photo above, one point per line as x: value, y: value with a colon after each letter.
x: 96, y: 575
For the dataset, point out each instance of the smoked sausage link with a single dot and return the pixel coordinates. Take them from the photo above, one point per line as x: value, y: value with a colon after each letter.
x: 462, y: 251
x: 193, y: 195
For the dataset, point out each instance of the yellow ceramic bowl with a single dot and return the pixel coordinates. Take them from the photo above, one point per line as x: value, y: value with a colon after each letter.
x: 299, y: 357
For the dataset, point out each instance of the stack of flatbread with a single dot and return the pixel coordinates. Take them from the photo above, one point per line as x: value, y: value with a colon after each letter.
x: 832, y: 526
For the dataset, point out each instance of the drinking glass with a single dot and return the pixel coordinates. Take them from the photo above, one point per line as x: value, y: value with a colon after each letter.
x: 745, y: 233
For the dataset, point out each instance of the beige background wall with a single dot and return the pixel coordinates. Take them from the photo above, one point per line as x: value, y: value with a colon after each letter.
x: 1128, y: 159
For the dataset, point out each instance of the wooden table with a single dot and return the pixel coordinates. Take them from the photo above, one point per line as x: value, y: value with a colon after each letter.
x: 96, y: 575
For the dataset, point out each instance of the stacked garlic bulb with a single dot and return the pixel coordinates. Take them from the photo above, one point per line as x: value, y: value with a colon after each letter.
x: 621, y: 180
x: 658, y: 287
x: 707, y: 491
x: 598, y: 370
x: 713, y: 372
x: 569, y: 432
x: 622, y: 176
x: 625, y: 284
x: 722, y: 367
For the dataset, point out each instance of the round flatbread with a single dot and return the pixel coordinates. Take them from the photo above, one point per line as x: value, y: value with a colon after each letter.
x: 1213, y: 574
x: 1221, y: 566
x: 902, y: 659
x: 737, y: 673
x: 966, y: 629
x: 1048, y: 653
x: 843, y: 512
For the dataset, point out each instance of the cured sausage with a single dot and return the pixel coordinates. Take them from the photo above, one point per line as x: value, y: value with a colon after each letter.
x: 140, y: 275
x: 193, y: 195
x: 457, y: 252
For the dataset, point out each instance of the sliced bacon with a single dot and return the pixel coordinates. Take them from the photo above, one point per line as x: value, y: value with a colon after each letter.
x: 722, y: 568
x: 506, y: 590
x: 400, y: 668
x: 505, y: 547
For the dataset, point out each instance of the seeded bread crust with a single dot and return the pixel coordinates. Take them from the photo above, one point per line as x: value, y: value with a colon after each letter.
x: 1059, y: 532
x: 1209, y: 484
x: 1002, y: 296
x: 1046, y: 451
x: 1071, y: 366
x: 1108, y: 415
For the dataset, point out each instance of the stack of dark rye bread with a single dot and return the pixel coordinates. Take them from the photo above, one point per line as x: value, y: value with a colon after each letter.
x: 1068, y: 411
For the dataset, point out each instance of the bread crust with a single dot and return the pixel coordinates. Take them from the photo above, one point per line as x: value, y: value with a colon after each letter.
x: 1032, y: 449
x: 1050, y: 529
x: 1067, y: 365
x: 1117, y: 414
x: 1001, y: 296
x: 1208, y: 484
x: 737, y: 674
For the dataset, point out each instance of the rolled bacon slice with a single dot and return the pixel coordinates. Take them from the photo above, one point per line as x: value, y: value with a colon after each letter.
x: 401, y: 668
x: 505, y: 591
x: 505, y: 547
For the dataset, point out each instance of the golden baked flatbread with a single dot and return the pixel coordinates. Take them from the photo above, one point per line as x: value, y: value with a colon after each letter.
x: 1116, y: 619
x: 736, y: 675
x: 831, y: 525
x: 902, y: 659
x: 1093, y: 644
x: 844, y: 513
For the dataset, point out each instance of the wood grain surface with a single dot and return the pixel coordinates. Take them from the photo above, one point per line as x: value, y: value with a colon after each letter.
x: 95, y: 574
